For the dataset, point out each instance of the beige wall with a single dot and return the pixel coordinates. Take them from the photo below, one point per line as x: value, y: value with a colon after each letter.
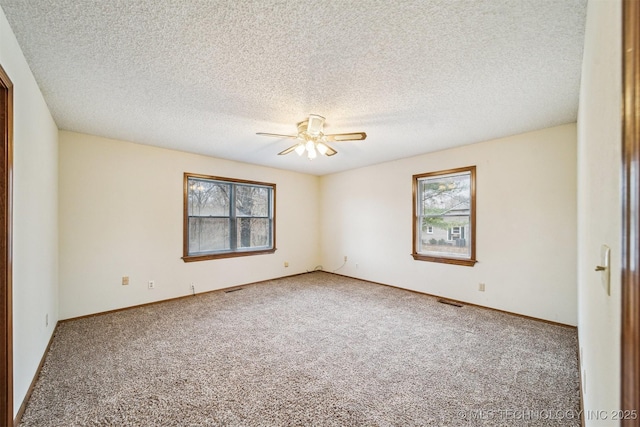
x: 35, y: 220
x: 121, y: 213
x: 599, y: 206
x: 526, y: 231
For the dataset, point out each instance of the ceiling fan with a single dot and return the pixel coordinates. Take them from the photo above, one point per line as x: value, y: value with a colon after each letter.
x: 312, y: 140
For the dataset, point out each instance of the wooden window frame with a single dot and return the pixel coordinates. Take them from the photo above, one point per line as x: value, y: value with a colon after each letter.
x: 231, y: 253
x: 469, y: 262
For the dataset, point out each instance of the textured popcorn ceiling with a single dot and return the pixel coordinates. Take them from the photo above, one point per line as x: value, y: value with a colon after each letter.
x: 205, y: 76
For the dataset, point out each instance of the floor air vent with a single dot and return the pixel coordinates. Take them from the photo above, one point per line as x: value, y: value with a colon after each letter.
x: 453, y: 303
x: 233, y: 290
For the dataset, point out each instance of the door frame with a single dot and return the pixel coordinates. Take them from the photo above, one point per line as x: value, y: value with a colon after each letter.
x: 6, y: 185
x: 630, y: 327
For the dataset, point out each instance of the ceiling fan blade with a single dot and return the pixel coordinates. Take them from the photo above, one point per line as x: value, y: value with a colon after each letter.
x: 275, y: 135
x: 314, y: 124
x: 356, y: 136
x: 288, y: 150
x: 330, y: 151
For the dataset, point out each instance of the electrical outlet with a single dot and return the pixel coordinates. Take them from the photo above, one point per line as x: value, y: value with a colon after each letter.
x: 286, y: 263
x: 46, y: 319
x: 125, y: 280
x: 193, y: 289
x: 152, y: 284
x: 481, y: 287
x: 345, y: 258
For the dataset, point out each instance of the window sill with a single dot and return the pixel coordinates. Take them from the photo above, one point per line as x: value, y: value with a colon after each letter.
x: 205, y: 257
x: 443, y: 260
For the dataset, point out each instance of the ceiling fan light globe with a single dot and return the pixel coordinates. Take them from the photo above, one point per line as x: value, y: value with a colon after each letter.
x: 310, y: 146
x: 300, y: 149
x: 311, y: 154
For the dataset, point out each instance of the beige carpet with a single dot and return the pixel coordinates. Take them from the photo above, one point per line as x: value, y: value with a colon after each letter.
x: 316, y: 349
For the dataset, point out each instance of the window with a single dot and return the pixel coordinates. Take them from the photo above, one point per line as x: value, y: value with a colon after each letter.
x: 455, y: 233
x: 444, y: 205
x: 227, y: 218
